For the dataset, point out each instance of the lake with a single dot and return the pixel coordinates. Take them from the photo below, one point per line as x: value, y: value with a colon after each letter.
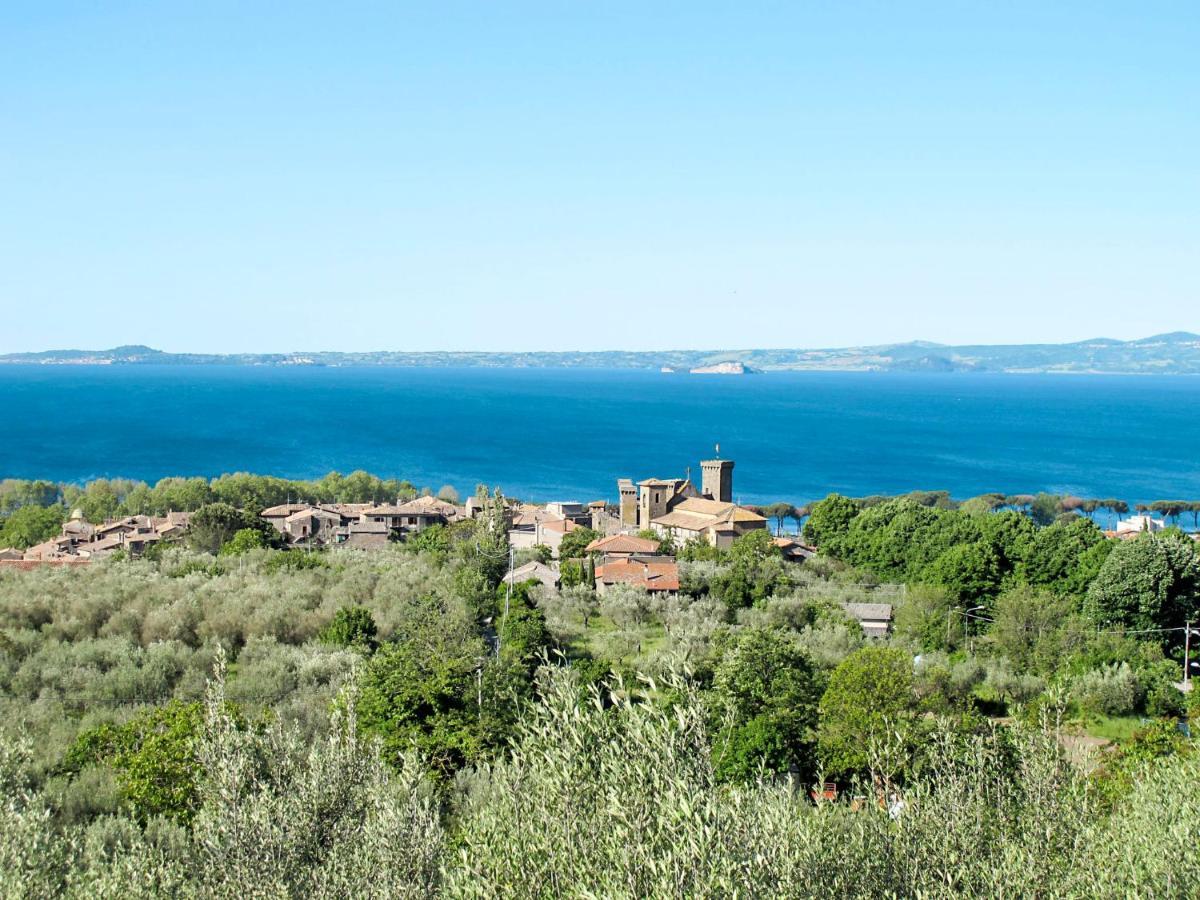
x: 569, y: 433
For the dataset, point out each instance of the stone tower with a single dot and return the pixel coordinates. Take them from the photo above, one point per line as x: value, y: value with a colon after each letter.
x: 716, y: 479
x: 654, y: 500
x: 629, y: 502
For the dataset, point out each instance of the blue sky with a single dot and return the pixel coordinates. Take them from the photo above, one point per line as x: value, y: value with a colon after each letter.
x: 252, y: 176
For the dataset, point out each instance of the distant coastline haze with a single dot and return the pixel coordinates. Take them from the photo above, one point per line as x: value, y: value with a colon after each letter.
x: 1175, y: 353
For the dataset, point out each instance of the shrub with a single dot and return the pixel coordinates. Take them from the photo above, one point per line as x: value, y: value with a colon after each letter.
x: 352, y: 626
x: 1112, y: 690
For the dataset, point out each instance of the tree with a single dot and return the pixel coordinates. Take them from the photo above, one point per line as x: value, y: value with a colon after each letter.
x: 697, y: 549
x: 1010, y: 534
x: 970, y: 572
x: 186, y: 494
x: 1170, y: 509
x: 765, y: 704
x: 830, y: 519
x: 447, y: 493
x: 1045, y: 508
x: 214, y: 524
x: 353, y: 627
x: 869, y: 701
x: 30, y: 525
x: 754, y: 546
x: 434, y: 539
x: 243, y: 541
x: 936, y: 499
x: 779, y: 511
x: 649, y: 534
x: 1193, y: 507
x: 983, y: 504
x: 899, y: 539
x: 487, y: 550
x: 1028, y: 628
x: 924, y: 617
x: 576, y: 572
x: 420, y: 692
x: 16, y: 492
x: 627, y: 606
x: 537, y: 553
x: 1149, y: 582
x: 154, y: 757
x: 756, y: 571
x: 1056, y: 559
x: 575, y: 541
x: 521, y: 628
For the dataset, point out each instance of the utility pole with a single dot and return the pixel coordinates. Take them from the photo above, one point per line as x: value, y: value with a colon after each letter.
x: 1187, y: 652
x: 508, y: 594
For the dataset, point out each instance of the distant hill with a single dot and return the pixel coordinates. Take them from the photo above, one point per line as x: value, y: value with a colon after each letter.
x: 1175, y: 353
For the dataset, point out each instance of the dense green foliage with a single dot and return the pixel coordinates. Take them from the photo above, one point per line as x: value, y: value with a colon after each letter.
x: 765, y: 701
x: 1146, y: 582
x: 352, y: 626
x: 619, y: 799
x: 401, y: 722
x: 867, y: 707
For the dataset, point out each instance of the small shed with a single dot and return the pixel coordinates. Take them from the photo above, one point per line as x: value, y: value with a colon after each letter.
x: 875, y: 618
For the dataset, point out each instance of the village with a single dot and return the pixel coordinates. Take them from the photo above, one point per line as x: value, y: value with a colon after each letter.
x: 635, y: 535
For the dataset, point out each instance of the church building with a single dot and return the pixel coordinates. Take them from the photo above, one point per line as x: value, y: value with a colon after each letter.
x: 674, y: 508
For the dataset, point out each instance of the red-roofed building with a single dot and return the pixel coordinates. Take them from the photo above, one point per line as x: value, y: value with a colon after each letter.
x: 657, y: 574
x: 623, y: 545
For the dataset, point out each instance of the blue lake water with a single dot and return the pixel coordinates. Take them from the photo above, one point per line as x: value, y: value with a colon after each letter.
x: 568, y: 433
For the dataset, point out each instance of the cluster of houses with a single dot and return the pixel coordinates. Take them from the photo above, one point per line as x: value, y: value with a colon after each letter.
x: 313, y: 526
x: 81, y: 540
x: 674, y: 510
x: 361, y: 526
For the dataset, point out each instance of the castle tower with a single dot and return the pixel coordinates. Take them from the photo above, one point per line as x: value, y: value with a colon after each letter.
x: 716, y: 479
x: 629, y: 502
x: 653, y: 500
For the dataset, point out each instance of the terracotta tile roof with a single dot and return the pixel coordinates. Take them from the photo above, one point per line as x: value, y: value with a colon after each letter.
x: 623, y: 543
x: 653, y: 576
x: 313, y: 512
x: 703, y: 507
x: 439, y: 507
x: 860, y: 611
x: 46, y: 549
x: 741, y: 514
x: 405, y: 509
x: 560, y: 525
x: 359, y: 540
x: 283, y: 510
x: 369, y: 528
x: 532, y: 571
x: 793, y: 549
x: 686, y: 521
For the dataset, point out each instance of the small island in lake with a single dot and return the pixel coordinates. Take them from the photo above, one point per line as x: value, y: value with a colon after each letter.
x: 724, y: 368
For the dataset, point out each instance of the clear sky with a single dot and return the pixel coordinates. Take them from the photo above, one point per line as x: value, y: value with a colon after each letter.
x: 592, y: 175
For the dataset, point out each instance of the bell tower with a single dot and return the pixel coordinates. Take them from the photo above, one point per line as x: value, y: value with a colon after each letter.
x: 716, y: 478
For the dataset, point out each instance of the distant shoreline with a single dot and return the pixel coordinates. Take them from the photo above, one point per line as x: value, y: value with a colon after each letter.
x: 1177, y: 353
x: 791, y: 370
